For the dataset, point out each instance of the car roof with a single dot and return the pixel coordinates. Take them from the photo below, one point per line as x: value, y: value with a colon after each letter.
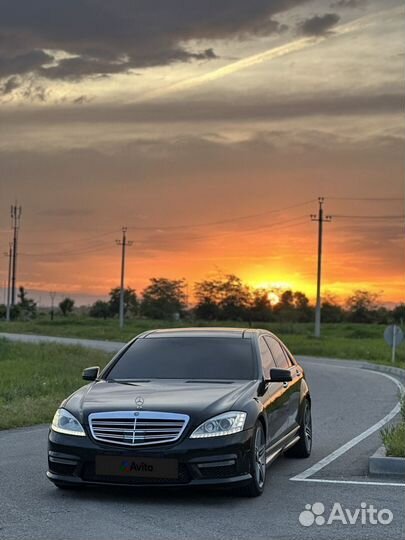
x: 212, y: 332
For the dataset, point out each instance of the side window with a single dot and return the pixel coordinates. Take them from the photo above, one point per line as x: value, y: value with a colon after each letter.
x: 278, y: 354
x: 267, y: 359
x: 290, y: 357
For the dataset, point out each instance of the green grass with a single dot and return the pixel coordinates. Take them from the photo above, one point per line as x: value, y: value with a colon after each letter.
x: 394, y: 436
x: 351, y: 341
x: 36, y: 378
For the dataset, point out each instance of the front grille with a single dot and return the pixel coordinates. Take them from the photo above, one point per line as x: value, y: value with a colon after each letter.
x: 137, y: 428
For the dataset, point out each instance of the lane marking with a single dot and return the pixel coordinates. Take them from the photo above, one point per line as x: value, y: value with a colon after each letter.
x: 305, y: 475
x: 355, y: 482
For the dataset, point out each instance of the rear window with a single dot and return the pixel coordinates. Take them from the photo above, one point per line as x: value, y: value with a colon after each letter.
x: 186, y: 358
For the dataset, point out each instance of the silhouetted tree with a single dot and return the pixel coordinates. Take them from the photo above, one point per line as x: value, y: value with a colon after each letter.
x: 260, y: 306
x: 234, y: 299
x: 398, y: 313
x: 66, y: 306
x: 224, y: 298
x: 164, y: 298
x: 303, y: 311
x: 361, y: 306
x: 208, y: 296
x: 100, y: 310
x: 284, y: 309
x: 332, y: 311
x: 26, y: 307
x: 130, y: 301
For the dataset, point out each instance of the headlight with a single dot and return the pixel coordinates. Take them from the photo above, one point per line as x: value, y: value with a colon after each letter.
x: 64, y: 422
x: 223, y: 424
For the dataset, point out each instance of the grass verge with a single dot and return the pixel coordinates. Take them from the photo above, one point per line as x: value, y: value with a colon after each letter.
x: 393, y: 436
x: 36, y: 378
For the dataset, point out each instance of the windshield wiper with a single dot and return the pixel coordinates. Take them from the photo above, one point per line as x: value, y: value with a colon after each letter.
x: 210, y: 381
x: 131, y: 382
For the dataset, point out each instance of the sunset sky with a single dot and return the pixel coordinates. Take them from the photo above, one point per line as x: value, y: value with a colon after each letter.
x: 209, y: 129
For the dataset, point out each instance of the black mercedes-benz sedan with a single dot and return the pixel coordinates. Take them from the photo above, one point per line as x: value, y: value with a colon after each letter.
x: 184, y: 407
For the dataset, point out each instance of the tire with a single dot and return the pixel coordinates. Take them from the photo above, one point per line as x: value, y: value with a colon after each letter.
x: 257, y: 463
x: 302, y: 448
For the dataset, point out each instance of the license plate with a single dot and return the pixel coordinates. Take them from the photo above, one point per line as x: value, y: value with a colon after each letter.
x: 136, y: 466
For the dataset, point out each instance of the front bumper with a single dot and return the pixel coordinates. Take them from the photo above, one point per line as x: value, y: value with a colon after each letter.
x: 218, y: 461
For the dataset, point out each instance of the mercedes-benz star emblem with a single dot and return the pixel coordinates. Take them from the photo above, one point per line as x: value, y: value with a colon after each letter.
x: 139, y: 402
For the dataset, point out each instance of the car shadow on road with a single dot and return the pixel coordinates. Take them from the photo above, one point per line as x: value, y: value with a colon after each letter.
x: 154, y: 495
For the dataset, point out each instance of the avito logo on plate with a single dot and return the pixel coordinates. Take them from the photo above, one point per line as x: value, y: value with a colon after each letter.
x: 314, y: 514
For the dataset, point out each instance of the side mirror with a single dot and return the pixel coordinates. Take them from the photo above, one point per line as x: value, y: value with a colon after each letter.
x: 91, y: 373
x: 280, y: 375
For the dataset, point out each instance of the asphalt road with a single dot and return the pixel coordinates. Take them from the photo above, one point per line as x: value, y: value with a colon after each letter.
x: 347, y: 400
x: 99, y: 344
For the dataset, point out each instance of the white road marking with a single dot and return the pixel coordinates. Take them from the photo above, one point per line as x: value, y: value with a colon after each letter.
x: 305, y: 475
x: 355, y: 482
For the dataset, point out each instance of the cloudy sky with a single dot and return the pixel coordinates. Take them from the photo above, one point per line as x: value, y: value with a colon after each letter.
x: 209, y: 129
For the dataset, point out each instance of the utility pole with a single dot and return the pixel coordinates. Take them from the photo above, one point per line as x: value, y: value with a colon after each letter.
x: 123, y: 243
x: 52, y: 294
x: 9, y: 254
x: 15, y: 223
x: 320, y: 218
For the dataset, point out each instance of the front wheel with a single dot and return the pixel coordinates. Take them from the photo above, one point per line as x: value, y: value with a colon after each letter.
x: 302, y: 449
x: 257, y: 463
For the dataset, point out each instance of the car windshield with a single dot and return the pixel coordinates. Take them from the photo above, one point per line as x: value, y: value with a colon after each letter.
x: 190, y: 358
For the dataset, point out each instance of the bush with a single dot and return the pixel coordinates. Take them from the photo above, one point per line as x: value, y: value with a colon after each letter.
x: 393, y: 436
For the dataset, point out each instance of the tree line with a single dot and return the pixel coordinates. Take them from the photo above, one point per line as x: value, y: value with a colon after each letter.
x: 228, y: 298
x: 26, y: 308
x: 223, y: 298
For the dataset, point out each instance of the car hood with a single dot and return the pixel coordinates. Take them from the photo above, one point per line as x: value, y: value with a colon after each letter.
x: 200, y: 400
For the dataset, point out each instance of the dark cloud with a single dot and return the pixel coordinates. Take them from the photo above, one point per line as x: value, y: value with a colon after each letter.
x: 108, y: 37
x: 81, y: 99
x: 319, y: 25
x: 82, y: 66
x: 11, y: 84
x: 21, y: 63
x: 233, y: 109
x: 348, y: 3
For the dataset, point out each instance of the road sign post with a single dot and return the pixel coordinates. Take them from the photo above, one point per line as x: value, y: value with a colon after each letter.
x: 393, y: 335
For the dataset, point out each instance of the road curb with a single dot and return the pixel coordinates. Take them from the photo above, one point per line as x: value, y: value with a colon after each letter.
x: 398, y: 372
x: 381, y: 464
x: 362, y: 364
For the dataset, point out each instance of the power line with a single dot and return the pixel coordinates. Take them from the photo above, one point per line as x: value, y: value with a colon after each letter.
x: 157, y: 227
x: 321, y: 219
x: 74, y: 241
x: 223, y: 221
x: 78, y: 251
x: 389, y: 217
x: 105, y: 245
x: 396, y: 199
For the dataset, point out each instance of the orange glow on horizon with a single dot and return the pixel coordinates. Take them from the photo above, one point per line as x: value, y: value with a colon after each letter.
x: 275, y: 270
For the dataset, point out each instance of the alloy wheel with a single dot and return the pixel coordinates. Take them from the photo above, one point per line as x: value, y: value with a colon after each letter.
x: 260, y: 456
